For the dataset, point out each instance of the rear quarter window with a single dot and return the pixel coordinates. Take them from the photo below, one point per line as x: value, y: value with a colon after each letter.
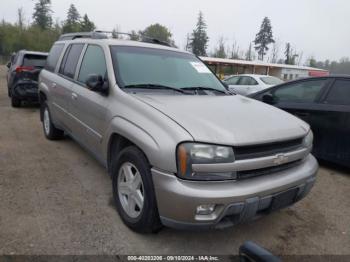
x: 53, y: 57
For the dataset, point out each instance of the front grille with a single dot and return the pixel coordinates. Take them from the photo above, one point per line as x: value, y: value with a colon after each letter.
x: 269, y: 149
x: 265, y: 171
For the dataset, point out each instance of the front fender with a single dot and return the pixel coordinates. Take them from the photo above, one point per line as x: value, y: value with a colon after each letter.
x: 156, y: 142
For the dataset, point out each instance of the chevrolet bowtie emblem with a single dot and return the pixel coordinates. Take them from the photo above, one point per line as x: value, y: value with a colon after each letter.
x: 280, y: 159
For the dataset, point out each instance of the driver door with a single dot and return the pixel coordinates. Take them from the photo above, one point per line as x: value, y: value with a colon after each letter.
x: 89, y: 108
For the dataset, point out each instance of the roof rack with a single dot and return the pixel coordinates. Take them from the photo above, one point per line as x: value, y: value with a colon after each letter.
x: 99, y: 34
x: 93, y: 35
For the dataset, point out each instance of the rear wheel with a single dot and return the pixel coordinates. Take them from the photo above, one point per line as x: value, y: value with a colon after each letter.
x: 15, y: 102
x: 50, y: 131
x: 133, y: 191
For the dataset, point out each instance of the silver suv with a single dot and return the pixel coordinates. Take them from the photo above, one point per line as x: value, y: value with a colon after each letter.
x: 181, y: 150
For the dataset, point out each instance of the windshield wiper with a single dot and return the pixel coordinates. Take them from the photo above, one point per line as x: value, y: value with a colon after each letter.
x: 197, y: 88
x: 155, y: 86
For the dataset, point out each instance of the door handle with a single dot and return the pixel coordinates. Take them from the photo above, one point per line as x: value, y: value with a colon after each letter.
x: 54, y: 85
x: 74, y: 96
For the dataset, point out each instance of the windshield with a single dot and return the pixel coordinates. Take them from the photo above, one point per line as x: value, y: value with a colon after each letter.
x: 270, y: 80
x: 139, y: 66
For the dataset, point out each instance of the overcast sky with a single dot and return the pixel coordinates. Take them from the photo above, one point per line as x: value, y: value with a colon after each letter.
x: 319, y: 28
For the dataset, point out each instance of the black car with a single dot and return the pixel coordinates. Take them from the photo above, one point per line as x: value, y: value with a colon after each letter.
x: 324, y: 103
x: 22, y: 76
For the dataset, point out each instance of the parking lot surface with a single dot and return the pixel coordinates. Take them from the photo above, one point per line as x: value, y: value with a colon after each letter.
x: 56, y: 199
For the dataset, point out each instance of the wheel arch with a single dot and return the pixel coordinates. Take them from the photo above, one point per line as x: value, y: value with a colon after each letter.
x: 116, y: 144
x: 42, y: 99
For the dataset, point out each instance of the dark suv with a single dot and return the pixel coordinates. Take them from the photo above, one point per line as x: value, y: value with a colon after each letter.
x: 22, y: 76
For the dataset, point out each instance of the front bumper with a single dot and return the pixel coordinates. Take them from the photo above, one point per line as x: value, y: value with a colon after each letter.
x: 236, y: 201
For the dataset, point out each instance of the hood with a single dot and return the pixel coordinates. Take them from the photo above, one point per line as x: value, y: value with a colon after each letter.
x: 228, y: 120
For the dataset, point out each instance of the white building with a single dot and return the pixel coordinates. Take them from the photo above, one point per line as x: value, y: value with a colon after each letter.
x: 223, y: 67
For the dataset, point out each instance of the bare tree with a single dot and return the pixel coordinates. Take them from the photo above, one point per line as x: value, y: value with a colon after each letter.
x: 234, y: 54
x: 188, y: 40
x: 300, y: 58
x: 115, y: 31
x: 275, y: 52
x: 249, y: 53
x: 20, y: 19
x: 220, y: 50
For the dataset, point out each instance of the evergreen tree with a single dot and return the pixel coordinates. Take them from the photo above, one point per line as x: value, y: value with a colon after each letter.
x: 312, y: 62
x: 134, y: 35
x: 86, y: 25
x: 42, y: 14
x: 290, y: 55
x: 72, y: 24
x: 199, y: 39
x: 288, y: 52
x: 159, y: 32
x: 263, y: 38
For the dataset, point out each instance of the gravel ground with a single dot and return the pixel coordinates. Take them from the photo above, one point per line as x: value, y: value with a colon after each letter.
x: 56, y: 199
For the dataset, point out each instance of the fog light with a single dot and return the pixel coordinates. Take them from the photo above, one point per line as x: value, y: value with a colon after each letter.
x: 205, y: 209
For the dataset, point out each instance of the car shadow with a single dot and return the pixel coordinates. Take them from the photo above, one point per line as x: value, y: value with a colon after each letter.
x: 338, y: 169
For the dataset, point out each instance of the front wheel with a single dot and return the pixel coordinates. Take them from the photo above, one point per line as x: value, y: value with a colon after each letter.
x: 133, y: 191
x: 50, y: 131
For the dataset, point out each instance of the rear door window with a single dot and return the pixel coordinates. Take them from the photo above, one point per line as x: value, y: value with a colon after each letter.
x: 70, y: 60
x: 247, y: 81
x: 53, y: 57
x: 34, y: 60
x: 270, y: 80
x: 339, y: 93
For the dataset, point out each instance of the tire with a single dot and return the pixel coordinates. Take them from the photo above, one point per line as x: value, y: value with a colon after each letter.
x: 50, y: 131
x: 144, y: 219
x: 15, y: 102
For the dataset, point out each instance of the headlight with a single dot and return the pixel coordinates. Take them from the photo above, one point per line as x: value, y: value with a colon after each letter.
x: 193, y: 153
x: 308, y: 140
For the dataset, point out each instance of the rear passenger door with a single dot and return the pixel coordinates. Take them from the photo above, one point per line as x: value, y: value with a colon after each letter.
x: 87, y: 107
x: 62, y: 87
x: 331, y: 122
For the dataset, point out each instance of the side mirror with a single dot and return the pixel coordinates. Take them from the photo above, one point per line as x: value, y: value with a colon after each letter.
x: 97, y: 83
x: 268, y: 99
x: 251, y: 252
x: 8, y: 65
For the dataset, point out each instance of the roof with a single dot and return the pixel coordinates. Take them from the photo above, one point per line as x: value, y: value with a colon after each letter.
x: 256, y: 63
x: 32, y: 52
x: 122, y: 42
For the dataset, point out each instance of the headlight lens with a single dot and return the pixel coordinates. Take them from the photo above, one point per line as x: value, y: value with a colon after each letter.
x: 308, y: 140
x: 195, y: 153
